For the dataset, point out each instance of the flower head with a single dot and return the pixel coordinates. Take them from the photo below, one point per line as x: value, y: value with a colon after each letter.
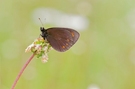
x: 40, y: 47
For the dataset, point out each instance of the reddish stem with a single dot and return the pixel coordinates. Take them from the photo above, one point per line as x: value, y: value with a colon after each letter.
x: 20, y: 73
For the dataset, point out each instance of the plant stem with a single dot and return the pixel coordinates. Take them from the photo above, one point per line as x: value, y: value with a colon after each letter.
x: 20, y: 73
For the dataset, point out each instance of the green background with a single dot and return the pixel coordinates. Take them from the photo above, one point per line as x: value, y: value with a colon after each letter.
x: 103, y: 58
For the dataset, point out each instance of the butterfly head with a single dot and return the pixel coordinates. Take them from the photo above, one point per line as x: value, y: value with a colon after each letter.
x: 43, y: 32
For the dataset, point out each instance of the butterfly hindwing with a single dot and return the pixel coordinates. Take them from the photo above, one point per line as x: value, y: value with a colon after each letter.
x: 61, y: 39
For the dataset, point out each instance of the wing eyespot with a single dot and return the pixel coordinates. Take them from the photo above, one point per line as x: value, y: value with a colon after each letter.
x: 63, y: 47
x: 72, y: 34
x: 68, y: 40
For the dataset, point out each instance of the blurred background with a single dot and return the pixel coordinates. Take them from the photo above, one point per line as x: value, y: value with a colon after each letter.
x: 103, y: 57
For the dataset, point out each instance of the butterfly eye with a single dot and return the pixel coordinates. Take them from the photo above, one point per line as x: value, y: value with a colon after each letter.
x: 41, y: 29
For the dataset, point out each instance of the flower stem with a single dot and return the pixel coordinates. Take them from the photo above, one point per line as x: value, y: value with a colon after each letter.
x: 20, y: 73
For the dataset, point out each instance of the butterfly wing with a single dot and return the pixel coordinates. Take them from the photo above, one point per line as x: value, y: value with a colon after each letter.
x: 61, y: 39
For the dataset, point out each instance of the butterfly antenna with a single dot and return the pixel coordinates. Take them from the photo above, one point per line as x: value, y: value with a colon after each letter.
x: 41, y: 22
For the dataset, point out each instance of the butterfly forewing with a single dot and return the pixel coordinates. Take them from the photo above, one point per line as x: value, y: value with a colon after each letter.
x: 61, y: 39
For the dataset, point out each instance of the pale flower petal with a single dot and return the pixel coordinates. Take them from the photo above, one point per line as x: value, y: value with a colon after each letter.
x: 29, y: 48
x: 44, y: 58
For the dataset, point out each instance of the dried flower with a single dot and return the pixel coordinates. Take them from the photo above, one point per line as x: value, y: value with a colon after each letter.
x: 40, y: 47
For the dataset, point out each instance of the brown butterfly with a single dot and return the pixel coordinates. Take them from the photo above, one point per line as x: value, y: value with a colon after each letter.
x: 61, y: 39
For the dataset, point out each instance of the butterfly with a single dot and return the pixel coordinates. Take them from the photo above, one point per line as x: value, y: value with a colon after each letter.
x: 61, y: 39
